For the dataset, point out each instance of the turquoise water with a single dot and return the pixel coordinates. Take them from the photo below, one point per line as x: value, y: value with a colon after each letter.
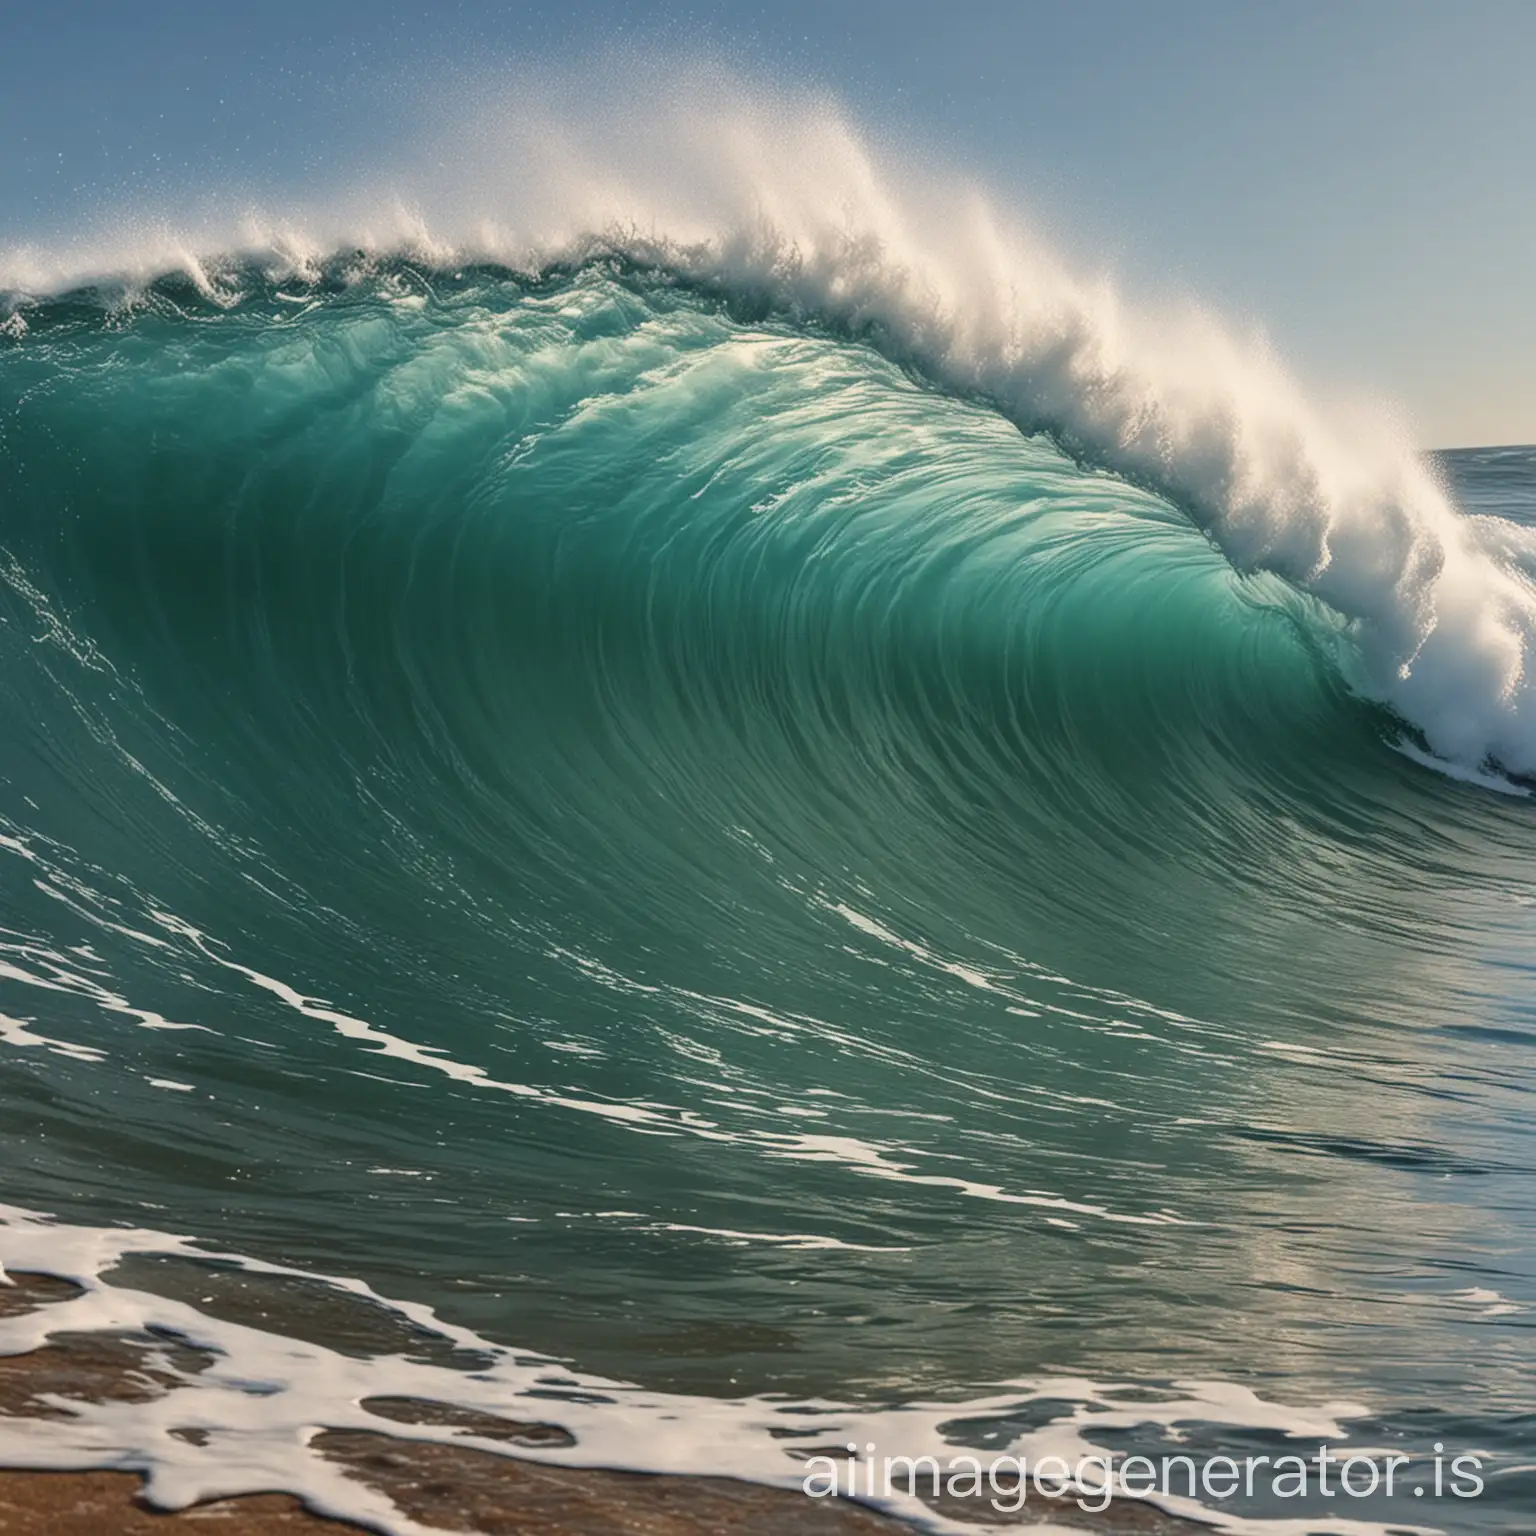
x: 658, y: 825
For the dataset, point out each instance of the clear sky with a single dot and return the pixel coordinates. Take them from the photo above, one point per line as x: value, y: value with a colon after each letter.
x: 1356, y: 175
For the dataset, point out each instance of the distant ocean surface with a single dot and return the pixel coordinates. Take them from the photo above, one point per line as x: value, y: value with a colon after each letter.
x: 820, y: 870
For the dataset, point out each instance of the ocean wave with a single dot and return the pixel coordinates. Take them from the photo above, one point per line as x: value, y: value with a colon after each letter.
x: 783, y: 210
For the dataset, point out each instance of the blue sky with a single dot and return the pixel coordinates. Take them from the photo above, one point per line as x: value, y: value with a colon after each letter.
x: 1356, y: 176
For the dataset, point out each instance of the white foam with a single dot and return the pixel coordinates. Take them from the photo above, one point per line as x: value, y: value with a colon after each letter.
x: 265, y: 1397
x: 1483, y: 777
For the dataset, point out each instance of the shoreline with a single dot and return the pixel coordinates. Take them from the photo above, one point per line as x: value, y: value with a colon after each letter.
x: 440, y: 1486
